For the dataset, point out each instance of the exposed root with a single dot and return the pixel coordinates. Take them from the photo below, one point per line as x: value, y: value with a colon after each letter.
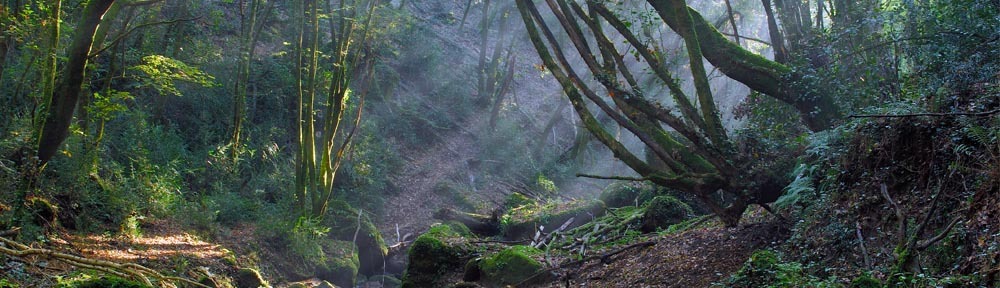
x: 125, y: 270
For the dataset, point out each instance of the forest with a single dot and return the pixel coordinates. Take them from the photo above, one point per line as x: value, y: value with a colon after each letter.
x: 499, y: 143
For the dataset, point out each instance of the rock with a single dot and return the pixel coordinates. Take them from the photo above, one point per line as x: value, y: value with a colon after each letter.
x: 250, y: 278
x: 431, y: 255
x: 510, y: 266
x: 663, y: 211
x: 344, y: 224
x: 472, y: 271
x: 341, y: 265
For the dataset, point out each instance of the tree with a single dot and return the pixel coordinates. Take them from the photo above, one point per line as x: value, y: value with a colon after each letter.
x: 250, y: 27
x: 316, y: 170
x: 60, y: 109
x: 691, y: 152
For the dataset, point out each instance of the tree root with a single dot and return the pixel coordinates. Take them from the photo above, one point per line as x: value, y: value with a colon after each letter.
x: 125, y: 270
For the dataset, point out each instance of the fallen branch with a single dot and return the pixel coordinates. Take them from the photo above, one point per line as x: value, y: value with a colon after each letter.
x: 613, y: 177
x: 125, y: 270
x: 973, y: 114
x: 605, y: 259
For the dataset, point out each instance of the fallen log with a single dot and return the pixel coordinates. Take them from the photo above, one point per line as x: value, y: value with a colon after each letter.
x: 483, y: 225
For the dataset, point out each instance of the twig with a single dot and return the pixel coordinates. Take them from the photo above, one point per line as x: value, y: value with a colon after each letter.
x: 973, y: 114
x: 925, y: 244
x: 613, y: 177
x: 127, y: 33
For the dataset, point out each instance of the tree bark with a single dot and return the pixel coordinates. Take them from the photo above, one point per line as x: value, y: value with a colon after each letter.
x: 67, y: 92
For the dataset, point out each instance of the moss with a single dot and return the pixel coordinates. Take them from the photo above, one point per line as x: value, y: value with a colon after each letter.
x: 663, y: 211
x: 521, y: 223
x: 515, y: 200
x: 343, y: 222
x: 459, y: 228
x: 250, y: 278
x: 510, y: 266
x: 866, y: 281
x: 340, y: 265
x: 103, y: 282
x: 430, y: 257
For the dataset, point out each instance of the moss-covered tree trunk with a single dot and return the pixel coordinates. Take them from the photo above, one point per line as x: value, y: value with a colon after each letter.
x: 817, y: 109
x: 67, y: 92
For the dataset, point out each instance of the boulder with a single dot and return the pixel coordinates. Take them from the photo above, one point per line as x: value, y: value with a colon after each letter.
x: 431, y: 255
x: 510, y: 266
x: 340, y: 264
x: 663, y: 211
x: 250, y: 278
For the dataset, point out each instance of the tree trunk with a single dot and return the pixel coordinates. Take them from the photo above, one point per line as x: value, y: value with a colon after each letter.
x: 818, y: 111
x: 67, y: 92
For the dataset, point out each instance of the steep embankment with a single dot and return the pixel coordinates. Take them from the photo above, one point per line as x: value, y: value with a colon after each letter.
x: 444, y: 172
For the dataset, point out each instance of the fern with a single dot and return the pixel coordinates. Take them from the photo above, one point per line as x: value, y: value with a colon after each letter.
x: 796, y: 191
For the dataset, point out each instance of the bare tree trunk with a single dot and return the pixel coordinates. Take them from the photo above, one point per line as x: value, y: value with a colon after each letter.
x: 60, y: 110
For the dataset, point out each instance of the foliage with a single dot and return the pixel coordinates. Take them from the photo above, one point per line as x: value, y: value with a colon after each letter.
x: 162, y: 74
x: 306, y: 238
x: 765, y: 269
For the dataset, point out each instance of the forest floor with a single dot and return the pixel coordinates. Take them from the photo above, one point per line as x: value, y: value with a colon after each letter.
x: 701, y: 257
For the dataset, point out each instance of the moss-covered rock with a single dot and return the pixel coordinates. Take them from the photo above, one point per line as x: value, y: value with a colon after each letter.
x: 341, y: 264
x: 628, y: 193
x: 431, y: 255
x: 250, y: 278
x: 459, y: 228
x: 522, y: 222
x: 663, y: 211
x: 509, y: 266
x: 344, y: 222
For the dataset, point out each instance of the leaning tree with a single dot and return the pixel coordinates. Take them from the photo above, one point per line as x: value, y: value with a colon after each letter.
x: 690, y: 149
